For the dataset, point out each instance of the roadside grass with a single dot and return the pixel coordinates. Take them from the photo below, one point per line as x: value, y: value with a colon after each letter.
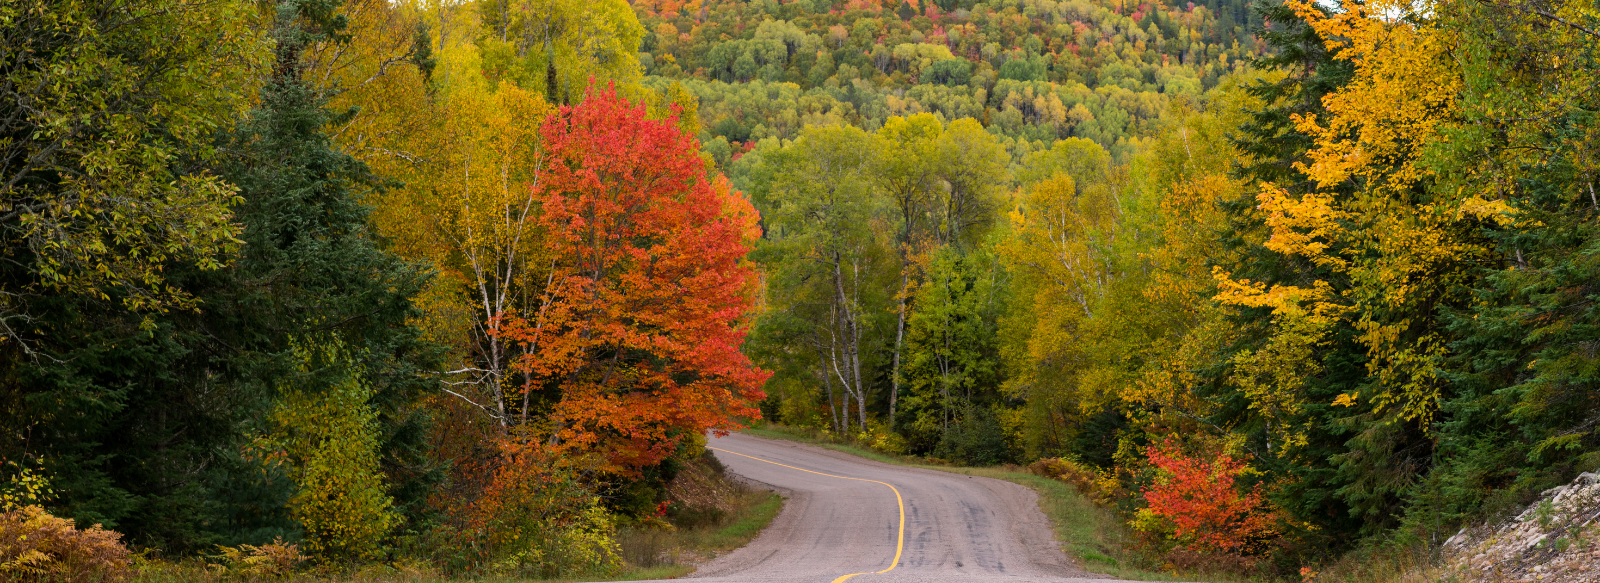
x: 653, y: 553
x: 1389, y: 564
x: 1091, y: 535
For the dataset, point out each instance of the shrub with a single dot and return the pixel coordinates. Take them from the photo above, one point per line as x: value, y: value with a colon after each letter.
x: 329, y: 435
x: 1196, y: 504
x: 1099, y: 486
x: 25, y: 487
x: 271, y: 559
x: 35, y: 546
x: 583, y: 544
x: 880, y: 438
x: 535, y: 519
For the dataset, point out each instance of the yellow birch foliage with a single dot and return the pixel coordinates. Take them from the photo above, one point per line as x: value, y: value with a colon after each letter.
x: 1188, y: 218
x: 328, y: 435
x: 1393, y: 247
x: 400, y: 131
x: 1051, y: 249
x: 1182, y: 182
x: 464, y: 152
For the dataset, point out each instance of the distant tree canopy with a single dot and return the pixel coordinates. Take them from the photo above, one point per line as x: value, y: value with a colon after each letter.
x: 863, y: 62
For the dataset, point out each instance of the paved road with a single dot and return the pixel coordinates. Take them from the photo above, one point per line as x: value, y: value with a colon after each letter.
x: 869, y: 522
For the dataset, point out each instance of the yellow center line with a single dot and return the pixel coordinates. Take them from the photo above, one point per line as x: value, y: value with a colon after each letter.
x: 899, y: 545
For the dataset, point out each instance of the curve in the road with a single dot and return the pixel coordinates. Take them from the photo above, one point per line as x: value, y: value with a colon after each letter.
x: 839, y: 523
x: 900, y: 501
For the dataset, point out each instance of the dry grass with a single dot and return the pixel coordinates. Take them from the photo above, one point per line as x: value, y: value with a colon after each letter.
x: 710, y: 515
x: 1383, y: 565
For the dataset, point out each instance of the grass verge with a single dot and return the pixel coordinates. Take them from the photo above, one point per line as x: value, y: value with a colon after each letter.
x: 709, y: 514
x: 1089, y: 534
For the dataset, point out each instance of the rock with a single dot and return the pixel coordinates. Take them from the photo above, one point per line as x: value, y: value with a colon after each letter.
x: 1551, y: 540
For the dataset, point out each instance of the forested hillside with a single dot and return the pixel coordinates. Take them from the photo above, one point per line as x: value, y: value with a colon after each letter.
x: 1032, y: 72
x: 459, y: 288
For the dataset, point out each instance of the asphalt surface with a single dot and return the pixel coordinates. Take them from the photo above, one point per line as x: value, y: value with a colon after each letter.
x: 843, y: 517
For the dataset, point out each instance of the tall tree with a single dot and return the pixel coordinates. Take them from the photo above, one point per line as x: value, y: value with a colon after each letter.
x: 905, y: 170
x: 311, y: 276
x: 637, y: 333
x: 151, y: 417
x: 953, y: 370
x: 825, y: 253
x: 106, y: 121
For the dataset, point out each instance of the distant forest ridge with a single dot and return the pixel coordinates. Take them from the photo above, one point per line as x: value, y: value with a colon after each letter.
x: 1032, y: 71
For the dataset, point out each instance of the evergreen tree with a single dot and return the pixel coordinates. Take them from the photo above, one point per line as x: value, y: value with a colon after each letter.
x: 1274, y: 146
x: 311, y: 271
x: 1526, y: 374
x: 1269, y: 135
x: 905, y: 11
x: 145, y: 422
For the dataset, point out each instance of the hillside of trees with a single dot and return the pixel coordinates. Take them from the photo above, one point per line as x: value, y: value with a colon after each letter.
x: 463, y: 286
x: 1033, y: 72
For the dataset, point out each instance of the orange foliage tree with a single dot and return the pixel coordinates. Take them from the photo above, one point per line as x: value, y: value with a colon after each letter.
x: 1197, y: 501
x: 635, y: 338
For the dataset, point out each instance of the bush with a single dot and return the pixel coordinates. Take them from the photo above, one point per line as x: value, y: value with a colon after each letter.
x: 535, y: 519
x: 1099, y: 486
x: 271, y: 559
x: 879, y: 437
x: 584, y: 545
x: 35, y: 546
x: 329, y: 434
x: 25, y: 487
x: 1195, y: 504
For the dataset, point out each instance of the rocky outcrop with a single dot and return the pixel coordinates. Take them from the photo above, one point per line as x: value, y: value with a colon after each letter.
x: 1555, y: 540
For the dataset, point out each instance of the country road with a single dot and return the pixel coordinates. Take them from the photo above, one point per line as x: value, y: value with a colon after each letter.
x: 849, y: 518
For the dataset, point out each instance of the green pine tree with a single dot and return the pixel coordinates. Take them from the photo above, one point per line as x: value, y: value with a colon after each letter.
x: 905, y: 11
x: 313, y: 273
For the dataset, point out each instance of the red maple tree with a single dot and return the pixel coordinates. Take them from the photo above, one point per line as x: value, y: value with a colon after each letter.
x: 1207, y: 511
x: 643, y: 314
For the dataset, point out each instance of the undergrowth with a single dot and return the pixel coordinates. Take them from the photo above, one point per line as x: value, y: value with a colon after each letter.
x: 698, y: 533
x: 707, y: 514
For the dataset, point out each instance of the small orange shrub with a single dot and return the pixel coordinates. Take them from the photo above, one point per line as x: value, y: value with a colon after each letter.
x: 1196, y: 503
x: 35, y: 546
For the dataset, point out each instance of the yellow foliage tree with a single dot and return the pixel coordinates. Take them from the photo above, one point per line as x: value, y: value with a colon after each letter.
x: 1397, y: 247
x: 327, y: 434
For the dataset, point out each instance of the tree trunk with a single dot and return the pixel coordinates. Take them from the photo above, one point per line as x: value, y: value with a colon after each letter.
x: 899, y: 340
x: 833, y: 411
